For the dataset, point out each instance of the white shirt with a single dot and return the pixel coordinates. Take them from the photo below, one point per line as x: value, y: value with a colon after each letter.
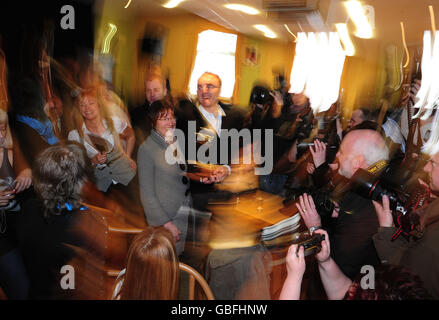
x: 214, y: 120
x: 119, y: 126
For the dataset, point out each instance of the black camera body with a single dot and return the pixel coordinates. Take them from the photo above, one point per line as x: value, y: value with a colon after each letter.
x: 312, y: 244
x: 261, y: 95
x: 403, y: 201
x: 323, y: 202
x: 370, y: 186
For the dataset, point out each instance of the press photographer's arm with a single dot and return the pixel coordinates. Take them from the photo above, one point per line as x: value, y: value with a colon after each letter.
x: 336, y: 284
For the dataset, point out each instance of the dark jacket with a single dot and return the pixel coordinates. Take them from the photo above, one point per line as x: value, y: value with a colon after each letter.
x: 42, y: 242
x: 186, y: 112
x: 351, y: 242
x: 421, y: 255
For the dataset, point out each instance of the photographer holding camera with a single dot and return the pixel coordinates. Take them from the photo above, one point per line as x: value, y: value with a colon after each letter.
x: 420, y: 252
x: 353, y: 222
x: 391, y: 282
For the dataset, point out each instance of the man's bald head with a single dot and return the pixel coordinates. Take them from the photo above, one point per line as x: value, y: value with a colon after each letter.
x: 361, y: 149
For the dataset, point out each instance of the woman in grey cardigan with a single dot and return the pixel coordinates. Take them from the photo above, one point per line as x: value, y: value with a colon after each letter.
x: 164, y: 188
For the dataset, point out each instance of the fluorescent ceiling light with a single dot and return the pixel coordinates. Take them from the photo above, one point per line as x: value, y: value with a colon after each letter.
x: 128, y: 4
x: 267, y: 31
x: 242, y: 8
x: 343, y: 33
x: 358, y: 16
x: 172, y: 3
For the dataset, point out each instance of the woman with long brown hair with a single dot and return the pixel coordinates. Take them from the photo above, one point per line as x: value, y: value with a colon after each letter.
x: 152, y: 271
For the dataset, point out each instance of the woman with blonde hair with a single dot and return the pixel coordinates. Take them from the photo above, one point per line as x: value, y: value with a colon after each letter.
x: 152, y: 271
x: 102, y: 136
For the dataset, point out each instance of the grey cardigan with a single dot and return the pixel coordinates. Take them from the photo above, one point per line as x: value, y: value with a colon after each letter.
x: 162, y: 190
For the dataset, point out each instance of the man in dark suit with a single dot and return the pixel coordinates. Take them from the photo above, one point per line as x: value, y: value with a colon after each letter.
x: 207, y: 117
x: 155, y: 89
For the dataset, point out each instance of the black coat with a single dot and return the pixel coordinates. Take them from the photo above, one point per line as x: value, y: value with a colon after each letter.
x: 187, y: 111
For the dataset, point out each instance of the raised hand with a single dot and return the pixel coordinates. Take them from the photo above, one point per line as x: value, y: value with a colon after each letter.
x: 318, y: 153
x: 384, y: 214
x: 307, y: 210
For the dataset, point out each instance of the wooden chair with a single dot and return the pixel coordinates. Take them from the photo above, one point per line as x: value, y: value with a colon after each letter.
x: 195, y: 277
x: 106, y: 237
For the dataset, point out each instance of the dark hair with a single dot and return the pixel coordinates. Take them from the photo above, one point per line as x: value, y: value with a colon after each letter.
x: 368, y: 125
x: 158, y: 108
x: 59, y: 173
x: 366, y: 113
x: 152, y: 271
x: 391, y: 283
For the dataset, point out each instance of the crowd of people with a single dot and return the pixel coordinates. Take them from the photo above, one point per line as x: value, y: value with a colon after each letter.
x: 64, y: 130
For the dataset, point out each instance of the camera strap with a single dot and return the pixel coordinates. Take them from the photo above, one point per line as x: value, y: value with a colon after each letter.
x: 377, y: 166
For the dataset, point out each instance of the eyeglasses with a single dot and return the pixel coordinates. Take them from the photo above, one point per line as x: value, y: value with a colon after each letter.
x: 208, y: 86
x: 166, y: 119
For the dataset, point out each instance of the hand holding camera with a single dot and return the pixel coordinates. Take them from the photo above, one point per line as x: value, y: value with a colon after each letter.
x: 7, y: 195
x: 384, y: 214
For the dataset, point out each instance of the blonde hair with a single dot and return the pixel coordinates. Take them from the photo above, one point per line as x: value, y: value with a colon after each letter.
x: 104, y: 113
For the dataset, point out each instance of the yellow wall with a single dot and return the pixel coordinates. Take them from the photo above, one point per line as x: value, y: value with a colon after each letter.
x: 179, y: 52
x: 363, y: 76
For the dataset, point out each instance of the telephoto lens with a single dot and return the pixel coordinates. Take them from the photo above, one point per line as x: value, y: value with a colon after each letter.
x: 368, y: 185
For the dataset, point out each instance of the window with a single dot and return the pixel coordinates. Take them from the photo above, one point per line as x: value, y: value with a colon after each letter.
x: 216, y: 54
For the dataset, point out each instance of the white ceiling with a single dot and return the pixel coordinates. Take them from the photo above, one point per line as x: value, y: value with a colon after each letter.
x: 300, y: 15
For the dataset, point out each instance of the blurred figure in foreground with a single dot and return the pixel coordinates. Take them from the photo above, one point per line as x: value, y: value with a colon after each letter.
x: 152, y: 271
x: 46, y: 226
x: 15, y: 177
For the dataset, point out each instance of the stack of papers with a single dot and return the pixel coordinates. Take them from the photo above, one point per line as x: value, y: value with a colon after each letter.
x: 282, y: 227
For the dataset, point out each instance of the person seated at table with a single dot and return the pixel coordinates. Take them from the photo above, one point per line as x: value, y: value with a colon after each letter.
x: 101, y: 135
x: 152, y: 271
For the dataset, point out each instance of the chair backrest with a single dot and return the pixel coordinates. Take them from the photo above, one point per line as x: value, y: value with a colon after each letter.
x: 195, y: 276
x: 106, y: 241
